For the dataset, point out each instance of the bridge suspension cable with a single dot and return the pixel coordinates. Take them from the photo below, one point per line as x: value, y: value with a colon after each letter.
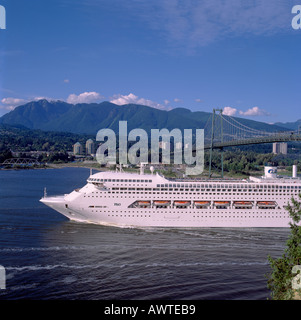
x: 226, y: 128
x: 224, y: 131
x: 246, y: 128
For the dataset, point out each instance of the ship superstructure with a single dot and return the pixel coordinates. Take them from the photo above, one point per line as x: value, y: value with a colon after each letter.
x: 151, y: 200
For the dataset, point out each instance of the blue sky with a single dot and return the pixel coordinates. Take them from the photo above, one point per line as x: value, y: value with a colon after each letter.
x: 241, y: 55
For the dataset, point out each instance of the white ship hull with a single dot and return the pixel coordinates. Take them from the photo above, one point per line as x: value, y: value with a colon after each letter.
x: 123, y: 199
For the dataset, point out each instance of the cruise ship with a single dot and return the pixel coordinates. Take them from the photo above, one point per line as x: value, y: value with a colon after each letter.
x: 151, y: 200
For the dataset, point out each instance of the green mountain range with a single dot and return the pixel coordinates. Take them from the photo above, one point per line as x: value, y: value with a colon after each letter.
x: 290, y: 125
x: 89, y: 118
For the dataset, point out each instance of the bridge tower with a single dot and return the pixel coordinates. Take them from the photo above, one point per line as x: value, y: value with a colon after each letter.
x: 212, y: 138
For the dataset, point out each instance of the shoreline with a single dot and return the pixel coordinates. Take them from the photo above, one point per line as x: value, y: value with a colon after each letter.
x: 165, y: 172
x: 54, y: 166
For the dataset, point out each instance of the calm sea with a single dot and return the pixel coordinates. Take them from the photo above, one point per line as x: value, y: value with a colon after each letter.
x: 48, y: 257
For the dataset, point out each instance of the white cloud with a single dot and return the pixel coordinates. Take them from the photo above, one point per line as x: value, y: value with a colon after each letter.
x: 177, y: 100
x: 7, y: 108
x: 11, y: 103
x: 131, y: 98
x: 229, y: 111
x: 44, y: 98
x: 85, y: 97
x: 198, y: 100
x: 193, y: 24
x: 255, y: 111
x: 8, y: 104
x: 66, y: 80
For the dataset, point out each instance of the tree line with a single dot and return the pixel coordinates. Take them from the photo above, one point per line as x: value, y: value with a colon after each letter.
x: 236, y: 160
x: 239, y: 161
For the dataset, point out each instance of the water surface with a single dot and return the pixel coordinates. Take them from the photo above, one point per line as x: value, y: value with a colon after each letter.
x: 48, y: 257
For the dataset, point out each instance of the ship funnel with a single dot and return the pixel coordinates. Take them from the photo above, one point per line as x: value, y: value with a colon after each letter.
x: 142, y: 167
x: 294, y: 171
x: 270, y: 172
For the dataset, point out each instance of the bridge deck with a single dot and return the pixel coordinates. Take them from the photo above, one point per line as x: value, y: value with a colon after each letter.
x: 269, y: 139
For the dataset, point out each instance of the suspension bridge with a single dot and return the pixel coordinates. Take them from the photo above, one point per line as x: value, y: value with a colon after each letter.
x: 223, y: 131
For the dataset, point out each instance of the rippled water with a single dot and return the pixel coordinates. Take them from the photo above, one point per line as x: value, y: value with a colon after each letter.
x: 49, y: 257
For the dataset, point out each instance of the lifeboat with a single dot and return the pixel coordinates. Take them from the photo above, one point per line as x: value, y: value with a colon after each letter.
x: 202, y: 204
x: 246, y: 204
x: 144, y: 203
x: 266, y: 204
x: 222, y: 203
x: 161, y: 203
x: 182, y: 203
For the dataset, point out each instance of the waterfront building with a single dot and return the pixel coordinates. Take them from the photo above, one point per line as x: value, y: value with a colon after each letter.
x: 90, y: 148
x: 280, y: 147
x: 77, y: 149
